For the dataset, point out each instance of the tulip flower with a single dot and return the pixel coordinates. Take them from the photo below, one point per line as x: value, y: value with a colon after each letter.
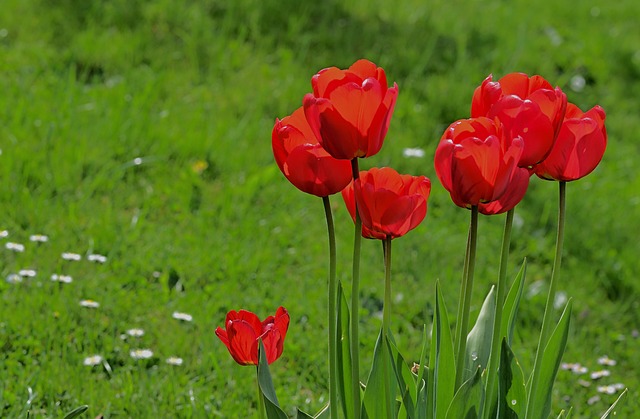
x: 243, y: 330
x: 389, y: 204
x: 302, y: 159
x: 475, y: 161
x: 528, y: 107
x: 350, y: 110
x: 512, y: 196
x: 579, y: 148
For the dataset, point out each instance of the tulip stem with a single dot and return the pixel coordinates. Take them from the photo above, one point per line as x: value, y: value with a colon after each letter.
x: 261, y: 408
x: 355, y: 303
x: 386, y: 321
x: 496, y: 338
x: 464, y: 304
x: 333, y: 297
x: 551, y: 298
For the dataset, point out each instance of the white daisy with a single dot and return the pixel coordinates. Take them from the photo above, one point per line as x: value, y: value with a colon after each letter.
x: 39, y: 238
x: 182, y: 316
x: 89, y: 304
x: 13, y: 279
x: 141, y: 353
x: 93, y: 360
x: 97, y: 258
x: 413, y: 152
x: 30, y: 273
x: 174, y: 360
x: 136, y: 333
x: 67, y: 279
x: 16, y: 247
x: 71, y: 256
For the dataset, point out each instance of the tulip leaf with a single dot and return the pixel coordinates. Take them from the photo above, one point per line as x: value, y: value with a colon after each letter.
x: 325, y: 413
x: 611, y: 410
x: 405, y: 380
x: 441, y: 381
x: 375, y: 400
x: 421, y: 399
x: 76, y: 412
x: 468, y: 400
x: 480, y: 337
x: 343, y: 358
x: 511, y: 389
x: 551, y: 357
x: 511, y: 304
x: 272, y: 408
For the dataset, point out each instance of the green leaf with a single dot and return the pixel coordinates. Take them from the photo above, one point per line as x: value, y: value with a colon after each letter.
x: 322, y: 414
x: 76, y: 412
x: 479, y: 338
x: 405, y: 380
x: 272, y: 408
x: 541, y: 405
x: 611, y: 410
x: 565, y: 415
x: 511, y: 389
x: 511, y: 304
x: 442, y: 368
x: 375, y: 400
x: 468, y: 400
x: 344, y: 355
x: 421, y: 399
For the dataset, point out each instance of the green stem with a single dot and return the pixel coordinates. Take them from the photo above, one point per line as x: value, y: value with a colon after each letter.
x: 496, y: 338
x: 465, y: 304
x: 333, y: 298
x: 386, y: 321
x: 551, y: 297
x: 261, y: 408
x: 355, y: 302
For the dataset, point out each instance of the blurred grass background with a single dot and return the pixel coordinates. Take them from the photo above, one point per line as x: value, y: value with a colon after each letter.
x: 141, y: 130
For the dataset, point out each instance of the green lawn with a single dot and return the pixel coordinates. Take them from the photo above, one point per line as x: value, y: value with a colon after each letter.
x: 140, y: 130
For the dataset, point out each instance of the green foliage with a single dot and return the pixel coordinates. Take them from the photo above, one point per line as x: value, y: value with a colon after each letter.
x: 192, y: 89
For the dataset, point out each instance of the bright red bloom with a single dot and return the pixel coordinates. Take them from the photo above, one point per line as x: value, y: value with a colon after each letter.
x: 389, y: 204
x: 244, y: 330
x: 512, y: 196
x: 579, y: 148
x: 350, y: 110
x: 303, y: 160
x: 475, y: 161
x: 528, y: 107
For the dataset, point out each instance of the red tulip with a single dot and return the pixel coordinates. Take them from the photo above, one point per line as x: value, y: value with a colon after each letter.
x: 475, y: 162
x: 244, y: 330
x: 579, y: 148
x: 528, y: 107
x: 512, y: 196
x: 350, y: 110
x: 389, y: 204
x: 303, y: 160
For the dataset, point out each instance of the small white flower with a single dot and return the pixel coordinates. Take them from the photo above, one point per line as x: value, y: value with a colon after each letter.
x: 607, y: 389
x: 413, y: 152
x: 596, y: 375
x: 16, y: 247
x: 67, y: 279
x: 89, y: 304
x: 182, y: 316
x: 576, y: 368
x: 97, y: 258
x: 30, y: 273
x: 605, y: 360
x: 93, y: 360
x: 136, y: 333
x: 14, y: 279
x: 71, y: 256
x: 3, y: 234
x: 39, y: 238
x: 141, y: 353
x: 174, y: 360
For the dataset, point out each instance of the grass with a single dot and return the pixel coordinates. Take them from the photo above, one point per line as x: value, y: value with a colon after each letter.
x: 192, y: 90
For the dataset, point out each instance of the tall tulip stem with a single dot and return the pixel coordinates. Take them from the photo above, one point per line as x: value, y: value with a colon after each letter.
x: 333, y: 299
x: 355, y: 303
x: 551, y: 297
x: 462, y: 323
x: 386, y: 320
x: 494, y: 359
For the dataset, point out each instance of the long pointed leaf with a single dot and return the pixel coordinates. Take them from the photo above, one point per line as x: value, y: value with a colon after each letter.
x: 511, y: 304
x: 441, y: 382
x: 405, y: 380
x: 511, y: 389
x: 265, y: 383
x: 76, y: 412
x: 421, y: 399
x: 344, y: 355
x: 375, y: 400
x: 468, y: 400
x: 325, y: 413
x: 611, y: 410
x: 541, y: 405
x: 479, y: 338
